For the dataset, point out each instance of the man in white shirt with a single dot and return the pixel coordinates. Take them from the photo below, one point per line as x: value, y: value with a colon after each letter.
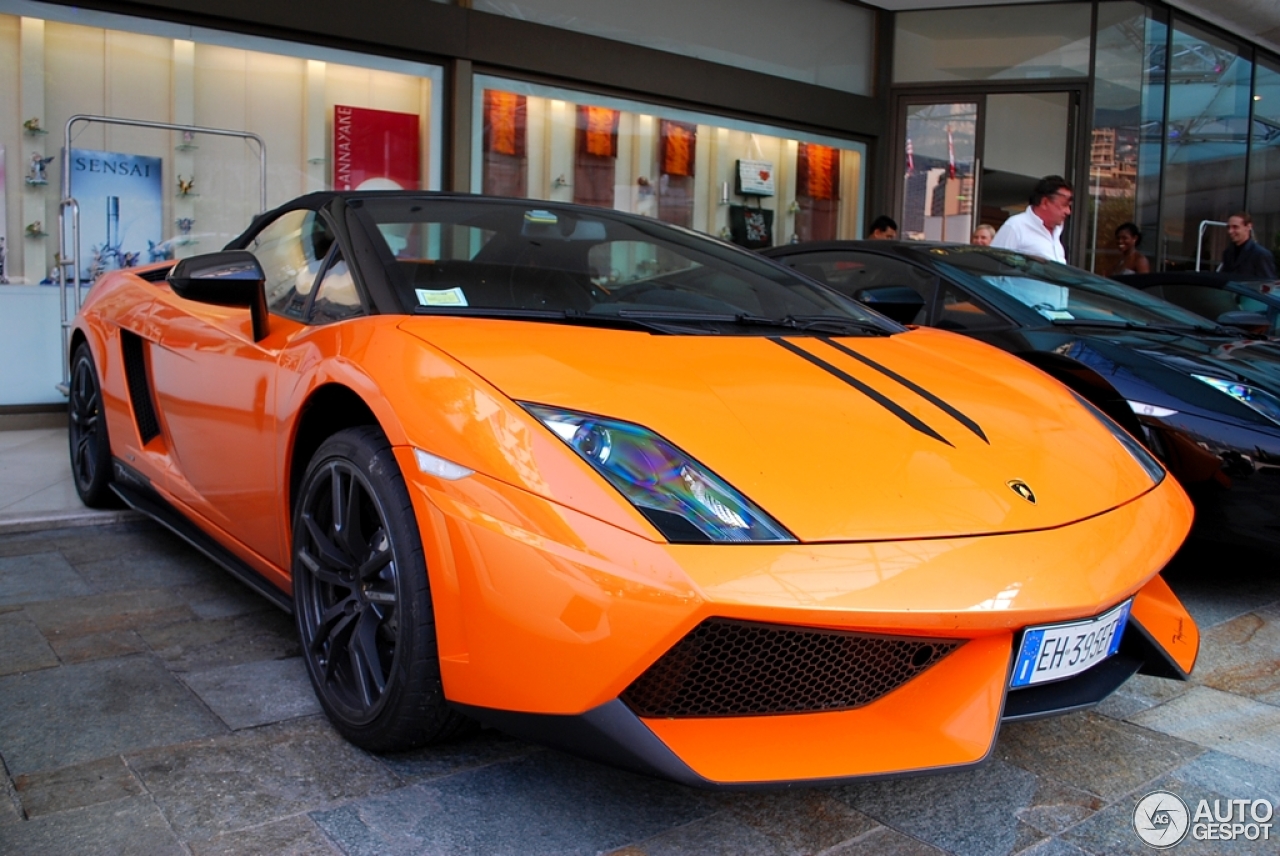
x: 1038, y: 230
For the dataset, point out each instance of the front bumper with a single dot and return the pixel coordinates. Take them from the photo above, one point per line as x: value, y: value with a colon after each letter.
x: 946, y: 719
x: 546, y: 617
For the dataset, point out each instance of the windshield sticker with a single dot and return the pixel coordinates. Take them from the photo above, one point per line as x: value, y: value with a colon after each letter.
x: 441, y: 297
x: 1056, y: 314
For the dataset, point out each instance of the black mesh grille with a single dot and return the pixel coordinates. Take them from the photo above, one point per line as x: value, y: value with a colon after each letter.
x: 135, y: 370
x: 740, y: 668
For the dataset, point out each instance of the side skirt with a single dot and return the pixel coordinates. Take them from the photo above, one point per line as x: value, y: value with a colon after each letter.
x: 135, y: 489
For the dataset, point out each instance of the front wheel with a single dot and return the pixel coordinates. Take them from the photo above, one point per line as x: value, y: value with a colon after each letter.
x: 87, y: 433
x: 362, y: 600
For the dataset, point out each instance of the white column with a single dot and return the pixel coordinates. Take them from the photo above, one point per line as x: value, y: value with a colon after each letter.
x: 185, y: 150
x: 39, y: 204
x: 314, y: 119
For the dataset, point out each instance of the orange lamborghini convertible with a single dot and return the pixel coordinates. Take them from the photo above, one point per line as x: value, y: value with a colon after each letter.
x: 625, y: 489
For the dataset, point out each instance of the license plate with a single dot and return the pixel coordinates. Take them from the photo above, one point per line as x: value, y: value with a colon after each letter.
x: 1056, y: 651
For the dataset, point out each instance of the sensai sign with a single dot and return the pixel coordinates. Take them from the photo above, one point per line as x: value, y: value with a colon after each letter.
x: 121, y: 209
x: 134, y: 166
x: 755, y: 178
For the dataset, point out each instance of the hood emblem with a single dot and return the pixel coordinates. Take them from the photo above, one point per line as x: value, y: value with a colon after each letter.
x: 1022, y: 489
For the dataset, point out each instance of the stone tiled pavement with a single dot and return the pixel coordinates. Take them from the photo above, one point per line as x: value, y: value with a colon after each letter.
x: 149, y: 704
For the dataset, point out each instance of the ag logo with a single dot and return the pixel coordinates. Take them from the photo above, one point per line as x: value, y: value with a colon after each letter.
x: 1022, y: 489
x: 1161, y: 819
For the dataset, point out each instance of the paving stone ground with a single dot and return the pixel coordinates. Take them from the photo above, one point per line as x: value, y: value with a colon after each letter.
x: 150, y: 704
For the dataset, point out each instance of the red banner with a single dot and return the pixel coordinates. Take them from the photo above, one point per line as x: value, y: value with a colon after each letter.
x: 505, y: 118
x: 679, y: 141
x: 375, y: 149
x: 598, y: 131
x: 818, y: 171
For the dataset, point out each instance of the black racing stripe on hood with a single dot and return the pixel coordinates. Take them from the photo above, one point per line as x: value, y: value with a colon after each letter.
x: 911, y: 385
x: 884, y: 402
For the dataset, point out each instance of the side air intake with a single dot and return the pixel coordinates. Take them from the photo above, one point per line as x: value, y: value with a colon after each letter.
x: 135, y: 370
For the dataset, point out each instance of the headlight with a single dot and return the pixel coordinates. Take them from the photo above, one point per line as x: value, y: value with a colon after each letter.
x: 1140, y: 454
x: 1158, y: 412
x: 1259, y: 399
x: 682, y: 498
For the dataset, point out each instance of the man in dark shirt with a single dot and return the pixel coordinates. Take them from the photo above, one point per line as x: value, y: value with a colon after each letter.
x: 883, y: 228
x: 1246, y: 256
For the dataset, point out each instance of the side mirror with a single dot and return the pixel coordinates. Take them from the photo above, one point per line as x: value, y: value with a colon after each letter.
x: 230, y: 278
x: 899, y: 302
x: 1250, y: 322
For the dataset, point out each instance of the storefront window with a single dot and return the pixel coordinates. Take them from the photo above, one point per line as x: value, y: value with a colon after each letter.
x: 1264, y: 157
x: 754, y: 184
x: 1128, y: 123
x: 326, y: 119
x: 1207, y: 135
x: 1017, y: 43
x: 823, y: 42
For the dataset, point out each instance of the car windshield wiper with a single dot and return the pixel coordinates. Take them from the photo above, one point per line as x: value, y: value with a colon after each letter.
x: 676, y: 323
x: 1203, y: 329
x: 818, y: 323
x: 807, y: 323
x: 670, y: 323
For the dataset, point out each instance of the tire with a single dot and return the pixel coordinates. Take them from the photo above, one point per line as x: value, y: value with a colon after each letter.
x: 362, y: 599
x: 87, y: 434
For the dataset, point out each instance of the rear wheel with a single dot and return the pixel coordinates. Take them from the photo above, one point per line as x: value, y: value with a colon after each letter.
x: 362, y: 600
x: 87, y: 433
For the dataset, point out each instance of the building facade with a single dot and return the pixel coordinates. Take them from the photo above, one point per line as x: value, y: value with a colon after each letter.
x: 183, y: 120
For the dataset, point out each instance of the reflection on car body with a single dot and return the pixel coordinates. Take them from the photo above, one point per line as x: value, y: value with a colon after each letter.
x: 625, y: 489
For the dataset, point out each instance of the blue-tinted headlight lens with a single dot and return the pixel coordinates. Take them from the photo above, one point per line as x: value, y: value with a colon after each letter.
x: 1259, y: 399
x: 682, y: 498
x: 1144, y: 458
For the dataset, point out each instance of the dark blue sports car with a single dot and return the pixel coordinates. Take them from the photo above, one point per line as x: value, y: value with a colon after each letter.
x: 1204, y: 395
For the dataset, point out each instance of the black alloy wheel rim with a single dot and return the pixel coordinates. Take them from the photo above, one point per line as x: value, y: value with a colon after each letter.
x: 85, y: 411
x: 349, y: 598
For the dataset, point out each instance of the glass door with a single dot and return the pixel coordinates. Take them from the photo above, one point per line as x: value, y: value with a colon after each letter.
x: 974, y: 159
x: 939, y: 169
x: 1026, y: 136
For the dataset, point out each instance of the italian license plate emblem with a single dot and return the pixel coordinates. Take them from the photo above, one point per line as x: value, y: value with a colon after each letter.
x: 1054, y: 651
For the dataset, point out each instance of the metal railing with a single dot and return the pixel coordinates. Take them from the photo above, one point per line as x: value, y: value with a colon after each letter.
x: 68, y: 205
x: 1204, y: 225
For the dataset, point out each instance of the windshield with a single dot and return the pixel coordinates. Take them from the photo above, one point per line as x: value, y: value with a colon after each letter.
x: 1060, y: 293
x: 540, y: 260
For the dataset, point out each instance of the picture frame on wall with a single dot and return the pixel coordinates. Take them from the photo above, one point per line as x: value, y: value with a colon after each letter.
x: 754, y: 178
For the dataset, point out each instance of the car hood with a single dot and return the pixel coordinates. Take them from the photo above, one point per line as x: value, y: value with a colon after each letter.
x: 1134, y: 358
x: 849, y: 439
